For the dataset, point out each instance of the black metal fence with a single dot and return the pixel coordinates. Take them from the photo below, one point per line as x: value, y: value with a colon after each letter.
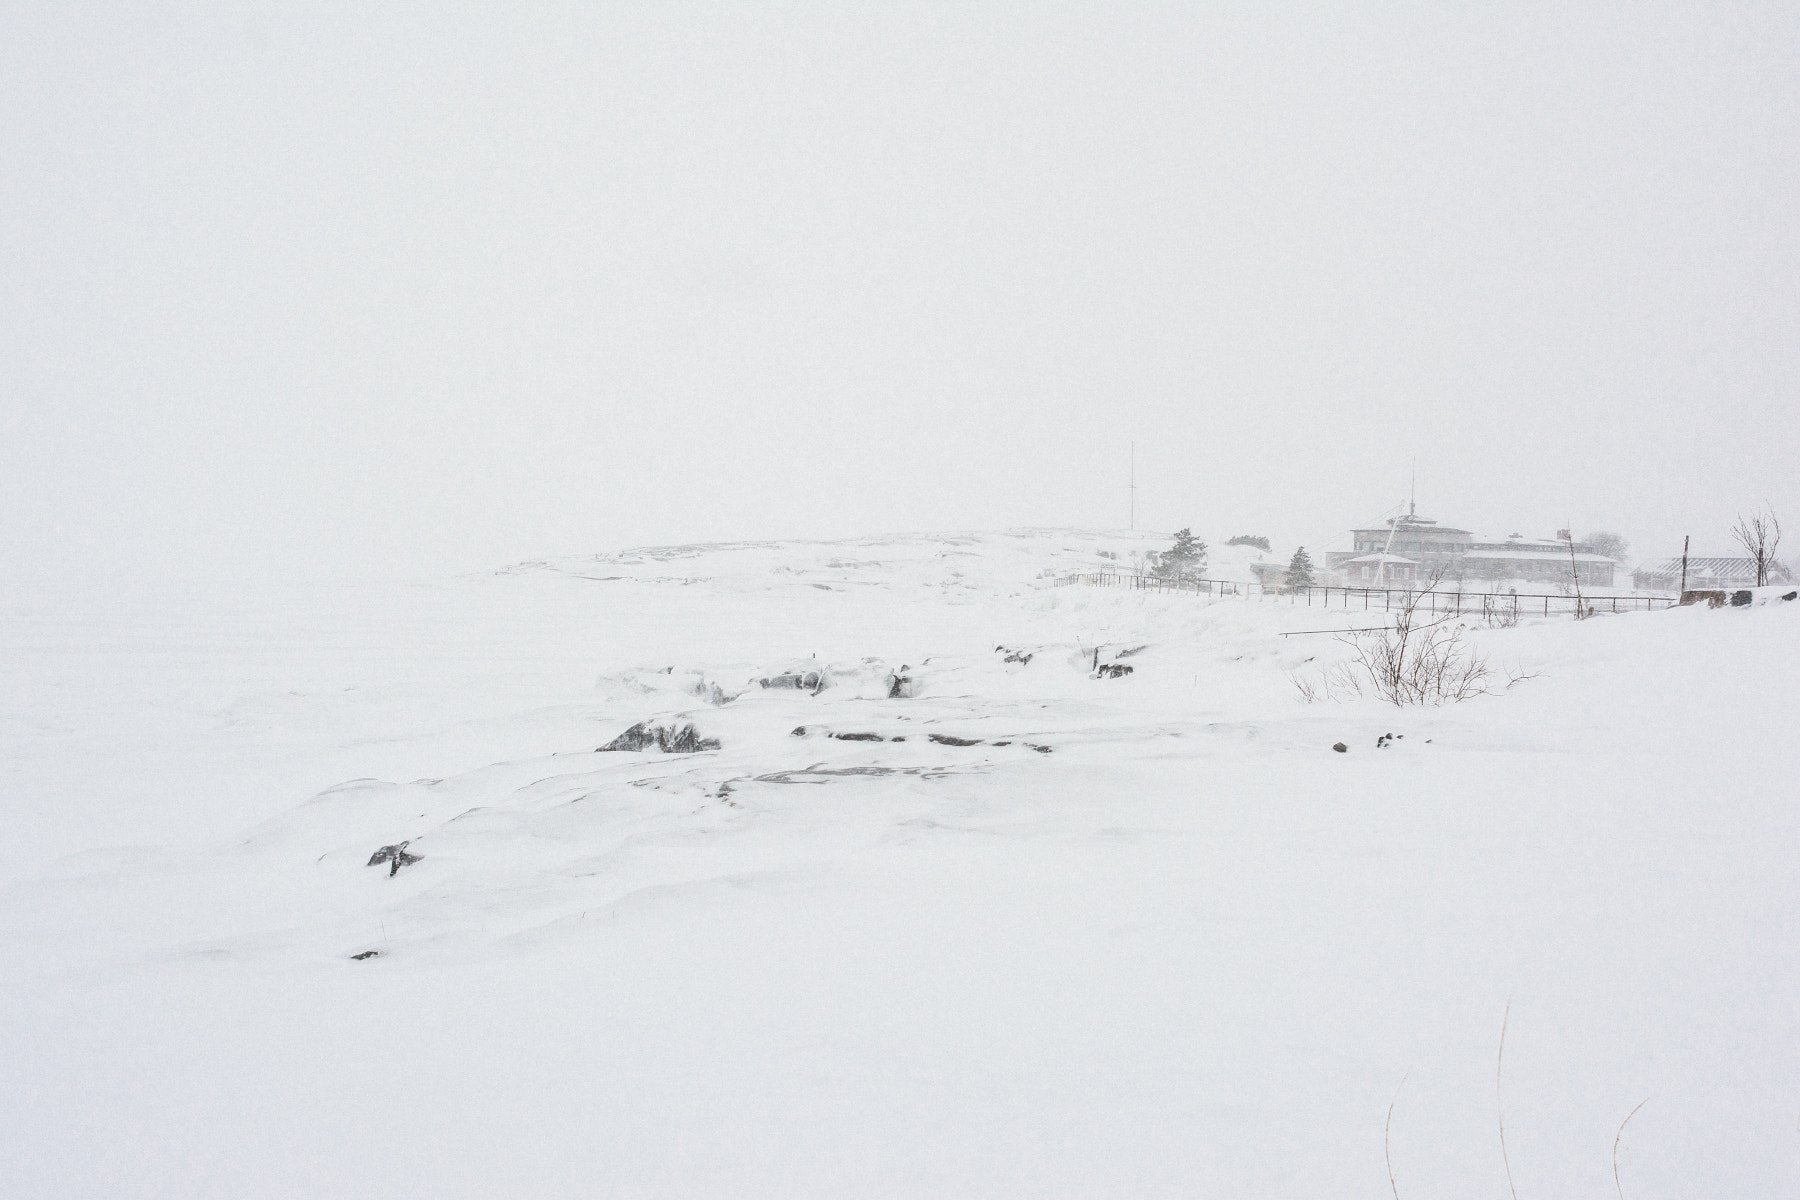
x: 1377, y: 599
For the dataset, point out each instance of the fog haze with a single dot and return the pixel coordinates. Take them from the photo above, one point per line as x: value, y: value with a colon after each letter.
x: 351, y: 290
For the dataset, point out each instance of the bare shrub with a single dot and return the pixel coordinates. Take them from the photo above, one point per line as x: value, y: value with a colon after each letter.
x: 1430, y: 664
x: 1409, y: 662
x: 1500, y: 612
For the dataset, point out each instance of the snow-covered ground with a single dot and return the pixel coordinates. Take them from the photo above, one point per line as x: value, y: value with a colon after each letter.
x: 1051, y: 935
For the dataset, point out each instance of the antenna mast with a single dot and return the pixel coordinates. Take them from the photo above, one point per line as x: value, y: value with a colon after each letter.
x: 1134, y: 485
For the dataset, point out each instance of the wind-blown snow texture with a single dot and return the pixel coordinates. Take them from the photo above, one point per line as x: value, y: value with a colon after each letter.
x: 1027, y: 932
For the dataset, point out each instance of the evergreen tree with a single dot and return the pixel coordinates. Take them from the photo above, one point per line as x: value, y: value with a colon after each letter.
x: 1299, y: 573
x: 1186, y: 558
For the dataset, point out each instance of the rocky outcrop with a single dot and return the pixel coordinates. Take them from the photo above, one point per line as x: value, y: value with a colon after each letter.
x: 670, y: 739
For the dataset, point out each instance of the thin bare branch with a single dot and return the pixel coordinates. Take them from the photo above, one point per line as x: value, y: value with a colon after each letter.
x: 1387, y: 1132
x: 1499, y: 1108
x: 1616, y: 1138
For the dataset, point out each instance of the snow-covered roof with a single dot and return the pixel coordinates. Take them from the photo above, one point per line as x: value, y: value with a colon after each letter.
x: 1419, y: 527
x: 1530, y: 551
x: 1724, y: 568
x: 1523, y: 543
x: 1382, y: 558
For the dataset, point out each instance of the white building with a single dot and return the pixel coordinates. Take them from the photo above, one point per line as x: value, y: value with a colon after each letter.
x: 1458, y: 556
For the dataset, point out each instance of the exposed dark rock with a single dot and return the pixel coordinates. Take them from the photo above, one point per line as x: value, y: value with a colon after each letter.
x: 1741, y: 599
x: 1112, y: 670
x: 1341, y: 748
x: 803, y: 681
x: 942, y: 739
x: 826, y: 774
x: 1711, y: 597
x: 670, y: 739
x: 900, y: 687
x: 366, y: 954
x: 712, y: 693
x: 395, y: 855
x: 1022, y: 657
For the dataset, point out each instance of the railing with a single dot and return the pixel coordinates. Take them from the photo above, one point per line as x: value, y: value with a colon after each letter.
x: 1434, y: 601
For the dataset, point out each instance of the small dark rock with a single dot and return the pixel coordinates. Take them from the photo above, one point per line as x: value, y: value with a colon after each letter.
x: 366, y: 954
x: 1341, y: 748
x: 944, y: 739
x: 395, y: 855
x: 858, y: 737
x: 1112, y: 670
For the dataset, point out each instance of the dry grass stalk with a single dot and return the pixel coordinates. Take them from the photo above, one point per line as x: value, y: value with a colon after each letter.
x: 1387, y: 1135
x: 1499, y: 1107
x: 1616, y: 1139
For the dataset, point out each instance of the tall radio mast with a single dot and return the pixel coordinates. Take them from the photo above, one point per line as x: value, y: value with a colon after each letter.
x: 1134, y: 486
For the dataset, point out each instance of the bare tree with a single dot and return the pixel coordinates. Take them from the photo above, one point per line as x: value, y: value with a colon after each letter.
x: 1610, y: 544
x: 1575, y: 580
x: 1759, y: 534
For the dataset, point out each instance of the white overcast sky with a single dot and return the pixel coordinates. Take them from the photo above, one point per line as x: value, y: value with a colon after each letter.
x: 334, y: 289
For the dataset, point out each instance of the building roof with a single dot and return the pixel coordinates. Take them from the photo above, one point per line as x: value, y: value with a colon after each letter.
x: 1531, y: 551
x: 1722, y: 568
x: 1382, y: 558
x: 1419, y: 527
x: 1514, y: 541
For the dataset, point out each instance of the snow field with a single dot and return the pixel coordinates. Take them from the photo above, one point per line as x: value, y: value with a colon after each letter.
x: 1188, y: 951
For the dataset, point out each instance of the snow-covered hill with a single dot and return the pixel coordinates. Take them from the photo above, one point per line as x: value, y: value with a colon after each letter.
x: 947, y: 910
